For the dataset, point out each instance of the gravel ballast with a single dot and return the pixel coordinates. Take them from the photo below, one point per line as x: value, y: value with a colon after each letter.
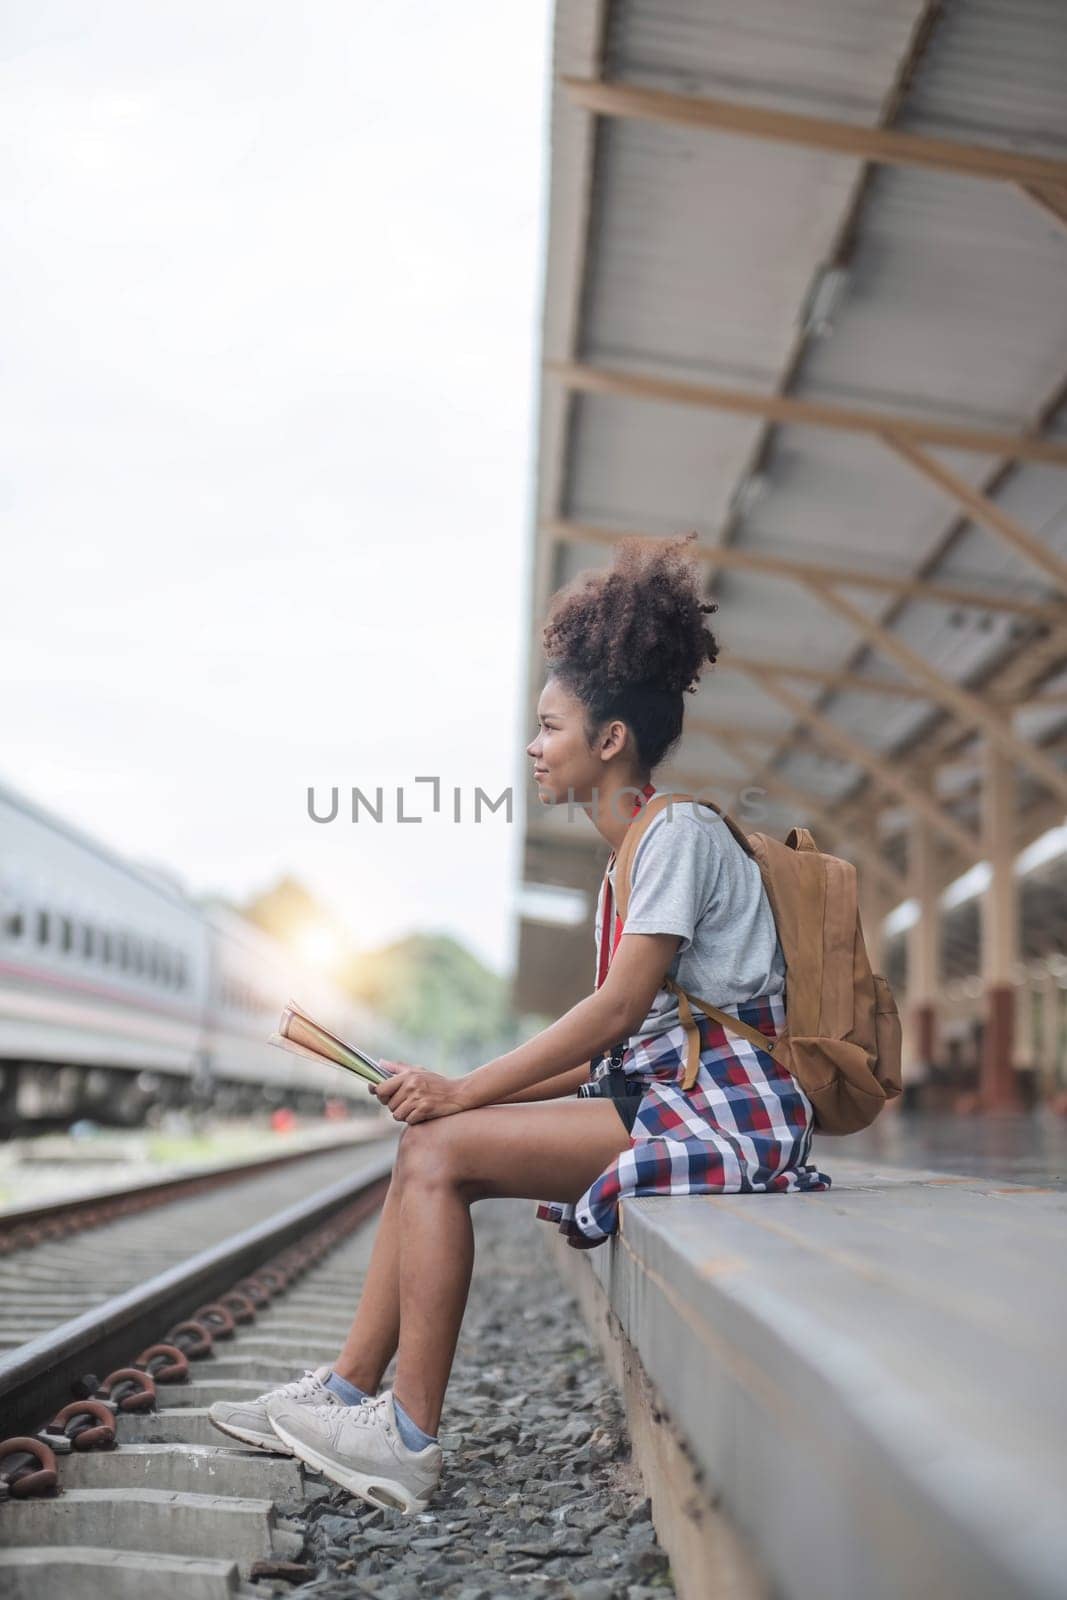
x: 539, y: 1495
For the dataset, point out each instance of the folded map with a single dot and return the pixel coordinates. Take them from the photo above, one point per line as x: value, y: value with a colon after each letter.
x: 301, y: 1035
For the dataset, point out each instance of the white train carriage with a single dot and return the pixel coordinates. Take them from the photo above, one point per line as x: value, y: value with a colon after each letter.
x: 118, y: 991
x: 103, y: 964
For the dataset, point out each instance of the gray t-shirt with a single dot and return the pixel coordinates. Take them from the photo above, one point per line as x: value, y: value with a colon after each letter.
x: 691, y: 877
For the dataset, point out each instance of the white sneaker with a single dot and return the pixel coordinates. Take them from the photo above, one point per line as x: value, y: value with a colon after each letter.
x: 360, y: 1448
x: 247, y: 1419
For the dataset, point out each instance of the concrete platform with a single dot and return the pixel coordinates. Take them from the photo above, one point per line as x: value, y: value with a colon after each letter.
x: 83, y: 1573
x: 870, y: 1378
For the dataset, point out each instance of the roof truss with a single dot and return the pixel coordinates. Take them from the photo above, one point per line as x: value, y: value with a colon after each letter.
x: 1042, y: 179
x: 784, y: 408
x: 735, y: 556
x: 890, y: 775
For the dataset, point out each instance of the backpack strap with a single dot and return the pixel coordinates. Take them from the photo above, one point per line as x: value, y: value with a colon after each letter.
x: 730, y: 1023
x: 623, y: 857
x: 623, y: 868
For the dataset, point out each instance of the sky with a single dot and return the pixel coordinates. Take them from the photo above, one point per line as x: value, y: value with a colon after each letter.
x: 271, y: 282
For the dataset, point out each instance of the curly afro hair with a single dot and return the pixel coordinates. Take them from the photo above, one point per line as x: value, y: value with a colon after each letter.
x: 629, y: 640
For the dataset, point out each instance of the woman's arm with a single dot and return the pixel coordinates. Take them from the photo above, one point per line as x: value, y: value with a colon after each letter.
x: 611, y: 1013
x: 563, y: 1083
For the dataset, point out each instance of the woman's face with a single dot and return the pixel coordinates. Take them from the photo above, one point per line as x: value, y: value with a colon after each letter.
x: 562, y: 759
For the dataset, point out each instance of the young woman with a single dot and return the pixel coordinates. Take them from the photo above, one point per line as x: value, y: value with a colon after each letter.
x: 623, y: 646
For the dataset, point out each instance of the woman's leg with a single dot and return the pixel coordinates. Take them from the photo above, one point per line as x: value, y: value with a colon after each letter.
x: 550, y: 1151
x: 375, y: 1331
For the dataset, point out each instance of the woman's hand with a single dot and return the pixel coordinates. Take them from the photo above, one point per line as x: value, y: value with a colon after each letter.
x: 415, y: 1094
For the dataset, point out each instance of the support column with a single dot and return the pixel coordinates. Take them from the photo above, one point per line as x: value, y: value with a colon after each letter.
x: 999, y: 920
x: 1025, y: 1047
x: 1051, y: 1036
x: 875, y: 905
x: 924, y: 947
x: 9, y: 1094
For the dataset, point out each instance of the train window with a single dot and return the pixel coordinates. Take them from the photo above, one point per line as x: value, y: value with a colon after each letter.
x: 152, y: 963
x: 106, y: 951
x: 136, y: 953
x: 123, y: 944
x: 88, y: 940
x: 43, y: 927
x: 66, y: 934
x: 182, y: 973
x: 164, y: 966
x: 14, y: 923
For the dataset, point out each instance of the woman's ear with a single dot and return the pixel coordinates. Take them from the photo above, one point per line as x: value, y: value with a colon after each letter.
x: 618, y: 735
x: 613, y: 739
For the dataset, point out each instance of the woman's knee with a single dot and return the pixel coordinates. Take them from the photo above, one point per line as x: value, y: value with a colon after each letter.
x: 427, y: 1154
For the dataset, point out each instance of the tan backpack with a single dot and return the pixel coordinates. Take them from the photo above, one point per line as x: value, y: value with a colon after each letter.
x: 841, y: 1039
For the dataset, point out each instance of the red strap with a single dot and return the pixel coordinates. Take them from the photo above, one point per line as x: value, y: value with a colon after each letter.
x: 606, y: 953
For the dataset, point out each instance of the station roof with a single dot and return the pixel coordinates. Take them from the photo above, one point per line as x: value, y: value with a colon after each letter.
x: 804, y: 294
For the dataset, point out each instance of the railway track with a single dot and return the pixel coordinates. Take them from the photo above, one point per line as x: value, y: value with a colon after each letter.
x: 38, y: 1222
x: 52, y: 1268
x: 112, y: 1480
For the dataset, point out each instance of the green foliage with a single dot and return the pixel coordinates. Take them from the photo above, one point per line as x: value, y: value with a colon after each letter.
x: 441, y: 997
x: 452, y: 1012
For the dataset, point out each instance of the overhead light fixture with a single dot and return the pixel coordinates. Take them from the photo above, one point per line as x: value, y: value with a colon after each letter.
x: 901, y: 918
x: 1047, y: 847
x: 968, y: 886
x: 753, y: 487
x: 823, y: 301
x: 973, y: 620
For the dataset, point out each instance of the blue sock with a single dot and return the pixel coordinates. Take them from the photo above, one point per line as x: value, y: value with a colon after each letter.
x: 348, y: 1392
x: 410, y: 1431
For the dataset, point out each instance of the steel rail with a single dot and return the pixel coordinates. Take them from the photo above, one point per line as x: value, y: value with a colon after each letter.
x: 125, y: 1198
x: 37, y: 1377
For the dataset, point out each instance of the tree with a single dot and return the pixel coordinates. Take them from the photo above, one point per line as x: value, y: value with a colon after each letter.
x: 437, y: 993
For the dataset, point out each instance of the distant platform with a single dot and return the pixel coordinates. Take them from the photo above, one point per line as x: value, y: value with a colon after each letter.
x: 1030, y: 1147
